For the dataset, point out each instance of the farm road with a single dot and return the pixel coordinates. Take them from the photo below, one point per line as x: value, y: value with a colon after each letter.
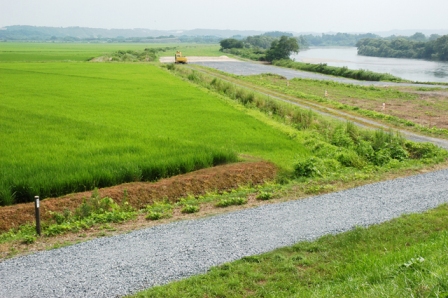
x: 250, y: 68
x: 116, y: 266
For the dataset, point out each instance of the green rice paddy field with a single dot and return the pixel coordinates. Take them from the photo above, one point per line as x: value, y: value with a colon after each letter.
x: 70, y: 126
x: 44, y: 52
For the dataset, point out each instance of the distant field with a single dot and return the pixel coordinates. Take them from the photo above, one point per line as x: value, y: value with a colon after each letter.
x: 72, y: 126
x: 32, y: 52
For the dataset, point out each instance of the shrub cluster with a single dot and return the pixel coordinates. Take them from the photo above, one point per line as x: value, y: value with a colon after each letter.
x: 147, y: 55
x: 345, y: 146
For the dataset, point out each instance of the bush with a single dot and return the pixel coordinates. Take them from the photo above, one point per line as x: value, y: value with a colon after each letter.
x: 382, y: 157
x: 364, y: 149
x: 159, y: 210
x: 190, y: 209
x: 421, y: 150
x: 264, y: 196
x: 398, y: 152
x: 310, y: 167
x: 28, y: 239
x: 340, y: 137
x: 350, y: 159
x: 231, y: 201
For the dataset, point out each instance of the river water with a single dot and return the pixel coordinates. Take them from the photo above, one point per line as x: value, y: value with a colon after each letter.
x: 409, y: 69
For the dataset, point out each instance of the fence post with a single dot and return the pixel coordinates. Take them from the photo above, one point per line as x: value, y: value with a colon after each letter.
x: 36, y: 207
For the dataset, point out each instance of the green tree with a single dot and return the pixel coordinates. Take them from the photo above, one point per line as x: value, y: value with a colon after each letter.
x: 282, y: 48
x: 231, y: 43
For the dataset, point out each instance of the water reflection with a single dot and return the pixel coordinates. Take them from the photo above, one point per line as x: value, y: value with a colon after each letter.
x: 410, y: 69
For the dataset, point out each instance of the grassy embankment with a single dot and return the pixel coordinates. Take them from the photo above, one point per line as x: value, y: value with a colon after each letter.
x: 405, y: 109
x: 406, y: 257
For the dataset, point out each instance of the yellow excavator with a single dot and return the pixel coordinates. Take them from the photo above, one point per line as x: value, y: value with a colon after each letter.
x: 178, y: 58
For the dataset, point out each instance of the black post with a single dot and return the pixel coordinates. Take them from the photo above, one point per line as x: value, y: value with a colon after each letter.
x: 36, y: 205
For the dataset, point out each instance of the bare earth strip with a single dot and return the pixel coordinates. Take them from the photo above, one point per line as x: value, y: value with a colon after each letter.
x: 140, y: 194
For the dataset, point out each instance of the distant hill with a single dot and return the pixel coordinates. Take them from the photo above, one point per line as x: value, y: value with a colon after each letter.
x: 37, y: 33
x: 19, y: 32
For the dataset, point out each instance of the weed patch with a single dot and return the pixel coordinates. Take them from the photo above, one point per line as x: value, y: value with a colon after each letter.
x: 159, y: 210
x: 231, y: 201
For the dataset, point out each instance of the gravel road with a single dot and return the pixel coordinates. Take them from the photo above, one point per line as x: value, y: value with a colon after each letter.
x: 250, y: 68
x: 116, y: 266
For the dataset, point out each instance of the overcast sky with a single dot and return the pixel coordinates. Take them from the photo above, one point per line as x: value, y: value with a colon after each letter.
x: 263, y: 15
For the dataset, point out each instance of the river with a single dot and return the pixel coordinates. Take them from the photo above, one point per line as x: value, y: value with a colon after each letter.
x: 409, y: 69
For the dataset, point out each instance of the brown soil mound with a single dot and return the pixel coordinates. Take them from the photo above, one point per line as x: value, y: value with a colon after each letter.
x: 139, y: 194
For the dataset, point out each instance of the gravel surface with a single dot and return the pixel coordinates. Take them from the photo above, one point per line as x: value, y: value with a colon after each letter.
x: 115, y: 266
x: 250, y: 68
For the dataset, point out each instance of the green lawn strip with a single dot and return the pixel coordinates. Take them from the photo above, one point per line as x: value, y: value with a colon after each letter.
x: 405, y: 257
x: 99, y: 124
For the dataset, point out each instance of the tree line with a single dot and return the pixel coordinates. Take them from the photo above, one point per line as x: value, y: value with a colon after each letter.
x: 269, y: 46
x: 338, y: 39
x: 417, y: 46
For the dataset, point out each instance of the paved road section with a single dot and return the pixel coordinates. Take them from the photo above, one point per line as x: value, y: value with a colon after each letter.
x: 249, y: 68
x: 116, y: 266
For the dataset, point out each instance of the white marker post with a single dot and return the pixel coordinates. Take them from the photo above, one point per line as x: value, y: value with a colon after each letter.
x: 36, y: 207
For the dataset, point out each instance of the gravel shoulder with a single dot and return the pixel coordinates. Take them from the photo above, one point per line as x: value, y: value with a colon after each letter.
x: 116, y: 266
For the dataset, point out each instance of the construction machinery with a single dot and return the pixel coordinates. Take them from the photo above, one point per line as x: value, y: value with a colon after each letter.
x: 178, y: 58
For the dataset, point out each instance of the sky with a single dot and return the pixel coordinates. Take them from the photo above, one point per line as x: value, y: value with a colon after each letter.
x: 260, y: 15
